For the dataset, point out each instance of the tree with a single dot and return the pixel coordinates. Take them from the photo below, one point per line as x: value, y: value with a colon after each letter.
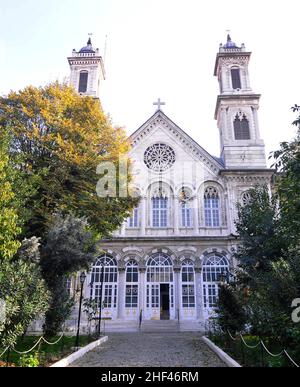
x: 24, y: 292
x: 21, y: 285
x: 231, y: 314
x: 58, y: 139
x: 287, y: 163
x: 69, y: 247
x: 9, y: 229
x: 258, y: 226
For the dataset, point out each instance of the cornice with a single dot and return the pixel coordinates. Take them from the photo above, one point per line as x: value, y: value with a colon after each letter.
x: 248, y: 175
x: 173, y: 239
x: 235, y: 97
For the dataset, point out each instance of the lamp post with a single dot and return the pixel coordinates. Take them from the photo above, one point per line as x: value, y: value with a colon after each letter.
x: 82, y: 279
x: 101, y: 297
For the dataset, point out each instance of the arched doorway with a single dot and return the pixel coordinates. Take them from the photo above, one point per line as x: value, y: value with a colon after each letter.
x: 160, y: 288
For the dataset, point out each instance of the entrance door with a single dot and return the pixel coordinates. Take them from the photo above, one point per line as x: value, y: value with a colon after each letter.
x: 164, y: 301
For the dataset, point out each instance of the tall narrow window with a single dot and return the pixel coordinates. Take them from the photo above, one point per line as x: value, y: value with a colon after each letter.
x: 185, y: 207
x: 241, y: 128
x: 160, y: 212
x: 133, y: 221
x: 236, y: 79
x: 104, y: 273
x: 188, y: 284
x: 186, y: 215
x: 132, y: 287
x: 212, y: 207
x: 83, y: 79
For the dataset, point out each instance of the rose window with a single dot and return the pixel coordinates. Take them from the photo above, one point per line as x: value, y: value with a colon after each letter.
x: 159, y: 157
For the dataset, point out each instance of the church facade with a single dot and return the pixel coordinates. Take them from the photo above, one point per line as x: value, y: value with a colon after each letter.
x: 166, y: 261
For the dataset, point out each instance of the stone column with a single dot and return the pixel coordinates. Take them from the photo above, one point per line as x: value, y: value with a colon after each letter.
x: 256, y: 124
x: 143, y: 214
x: 196, y: 216
x: 142, y: 290
x: 177, y: 292
x: 121, y: 292
x: 199, y: 293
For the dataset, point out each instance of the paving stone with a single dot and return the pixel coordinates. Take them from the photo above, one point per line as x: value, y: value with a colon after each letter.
x: 181, y: 349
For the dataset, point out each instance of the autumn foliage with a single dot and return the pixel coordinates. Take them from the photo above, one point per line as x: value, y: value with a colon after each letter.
x: 57, y: 141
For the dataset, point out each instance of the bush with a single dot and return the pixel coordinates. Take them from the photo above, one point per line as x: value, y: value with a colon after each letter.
x: 29, y: 360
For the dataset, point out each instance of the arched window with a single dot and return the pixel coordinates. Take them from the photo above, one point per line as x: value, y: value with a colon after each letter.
x: 105, y: 272
x: 241, y: 127
x: 160, y: 268
x: 132, y: 287
x: 185, y: 207
x: 83, y: 81
x: 236, y: 78
x: 213, y: 267
x: 188, y: 284
x: 246, y: 198
x: 212, y: 207
x: 159, y: 211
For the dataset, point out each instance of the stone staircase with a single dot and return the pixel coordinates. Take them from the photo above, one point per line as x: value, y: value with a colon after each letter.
x: 119, y: 326
x: 150, y: 326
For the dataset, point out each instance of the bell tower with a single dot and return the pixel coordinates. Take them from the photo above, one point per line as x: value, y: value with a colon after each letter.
x: 87, y: 70
x: 236, y: 110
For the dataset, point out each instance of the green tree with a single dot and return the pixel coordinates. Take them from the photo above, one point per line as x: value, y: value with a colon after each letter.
x: 231, y: 314
x: 21, y: 285
x: 9, y: 228
x: 58, y: 140
x: 287, y: 163
x: 24, y: 292
x: 269, y: 255
x: 258, y: 226
x: 69, y: 247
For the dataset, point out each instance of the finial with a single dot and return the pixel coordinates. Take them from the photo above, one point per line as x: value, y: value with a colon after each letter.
x: 89, y: 43
x: 228, y: 36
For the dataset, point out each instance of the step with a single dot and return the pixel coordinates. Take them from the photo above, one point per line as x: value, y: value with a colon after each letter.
x: 120, y: 326
x: 159, y: 326
x: 191, y: 326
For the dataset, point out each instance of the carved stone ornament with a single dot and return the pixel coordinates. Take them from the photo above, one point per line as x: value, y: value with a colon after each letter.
x: 159, y: 157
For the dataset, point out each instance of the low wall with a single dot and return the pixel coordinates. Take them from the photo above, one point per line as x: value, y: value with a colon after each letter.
x: 78, y: 354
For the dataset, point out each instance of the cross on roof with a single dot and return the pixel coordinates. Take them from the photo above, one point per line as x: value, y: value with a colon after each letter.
x: 159, y: 104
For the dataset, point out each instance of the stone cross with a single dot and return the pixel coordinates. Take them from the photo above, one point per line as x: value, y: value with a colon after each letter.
x: 159, y: 104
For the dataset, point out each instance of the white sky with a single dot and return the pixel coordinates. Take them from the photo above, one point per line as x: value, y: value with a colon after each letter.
x: 159, y: 48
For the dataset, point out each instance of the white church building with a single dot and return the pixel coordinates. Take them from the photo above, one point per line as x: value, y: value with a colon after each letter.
x: 166, y: 260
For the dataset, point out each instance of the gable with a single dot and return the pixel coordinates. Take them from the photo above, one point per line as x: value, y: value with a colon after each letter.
x: 159, y: 122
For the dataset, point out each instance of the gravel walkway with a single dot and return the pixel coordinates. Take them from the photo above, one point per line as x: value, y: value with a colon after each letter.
x: 184, y: 349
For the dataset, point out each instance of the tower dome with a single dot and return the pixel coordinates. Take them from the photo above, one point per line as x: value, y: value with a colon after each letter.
x: 230, y: 43
x: 88, y: 48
